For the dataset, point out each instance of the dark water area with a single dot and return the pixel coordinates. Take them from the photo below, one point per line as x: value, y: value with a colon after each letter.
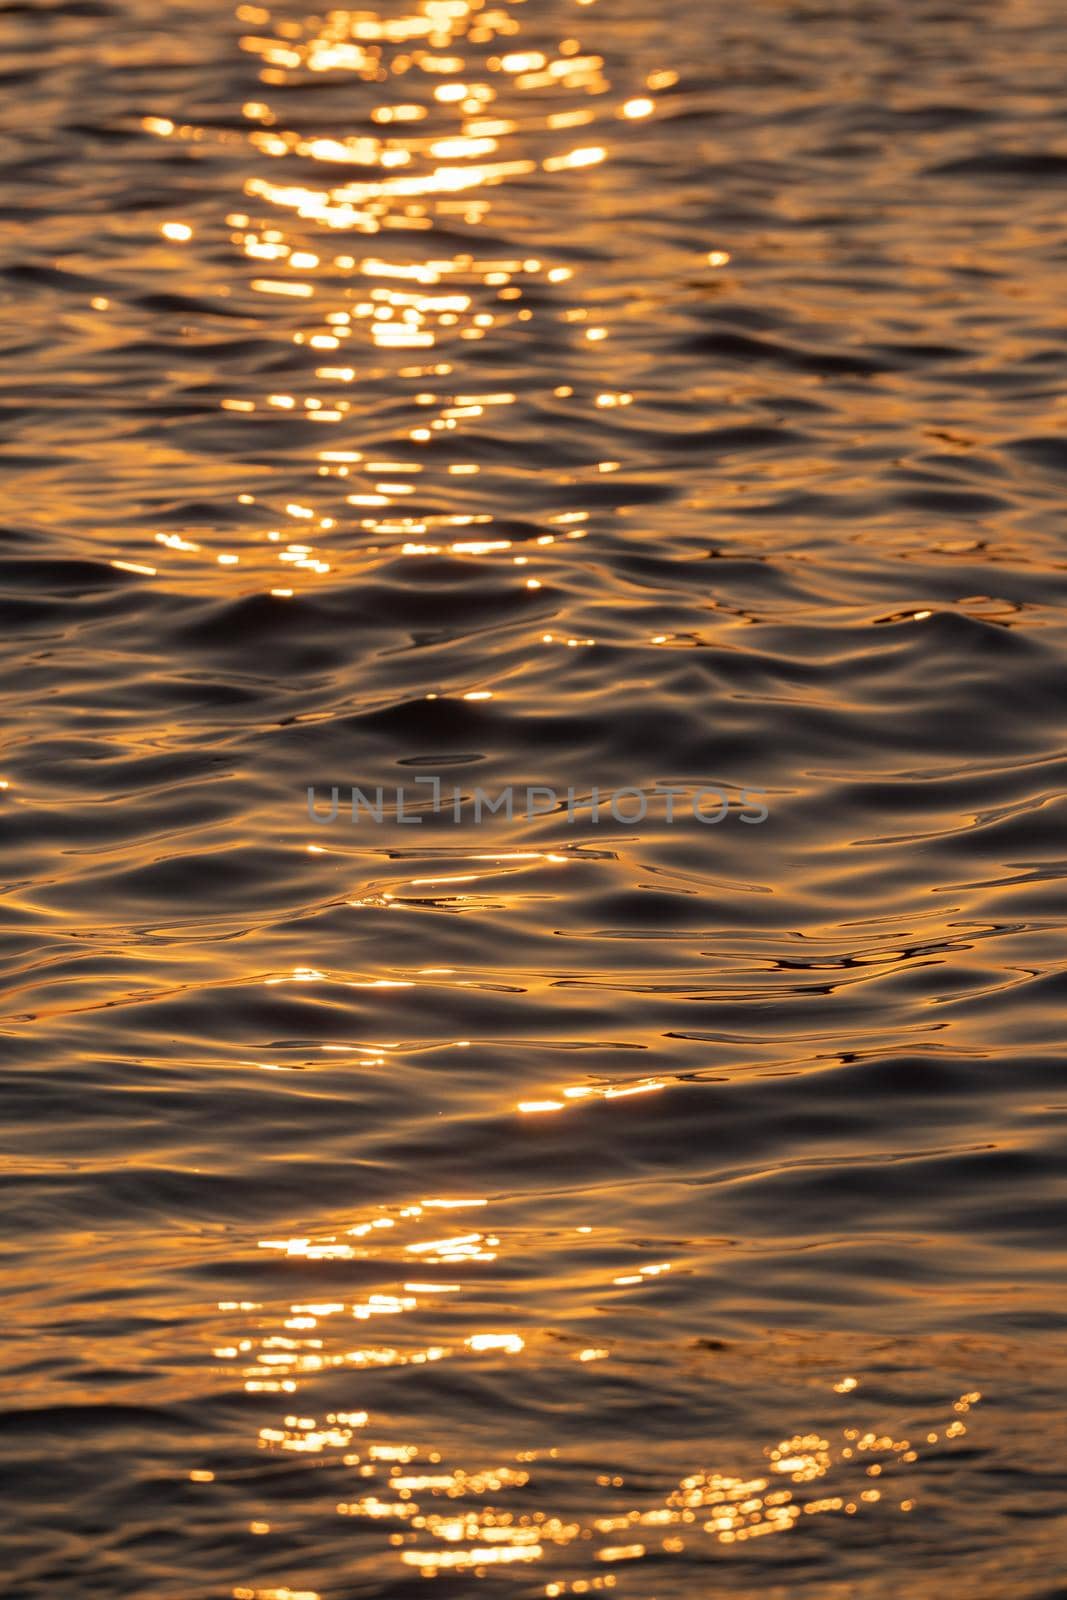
x: 590, y: 396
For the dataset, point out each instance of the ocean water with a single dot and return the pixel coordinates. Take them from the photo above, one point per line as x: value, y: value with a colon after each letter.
x: 586, y: 397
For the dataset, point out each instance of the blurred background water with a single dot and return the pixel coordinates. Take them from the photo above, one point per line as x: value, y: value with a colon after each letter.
x: 607, y: 393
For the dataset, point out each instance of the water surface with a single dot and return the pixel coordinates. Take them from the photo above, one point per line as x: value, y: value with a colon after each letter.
x: 608, y: 395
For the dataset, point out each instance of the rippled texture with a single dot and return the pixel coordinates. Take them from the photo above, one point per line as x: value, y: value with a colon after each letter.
x: 607, y: 394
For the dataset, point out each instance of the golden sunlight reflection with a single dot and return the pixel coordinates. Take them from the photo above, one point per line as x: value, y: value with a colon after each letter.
x: 344, y: 234
x: 575, y: 1093
x: 438, y: 1515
